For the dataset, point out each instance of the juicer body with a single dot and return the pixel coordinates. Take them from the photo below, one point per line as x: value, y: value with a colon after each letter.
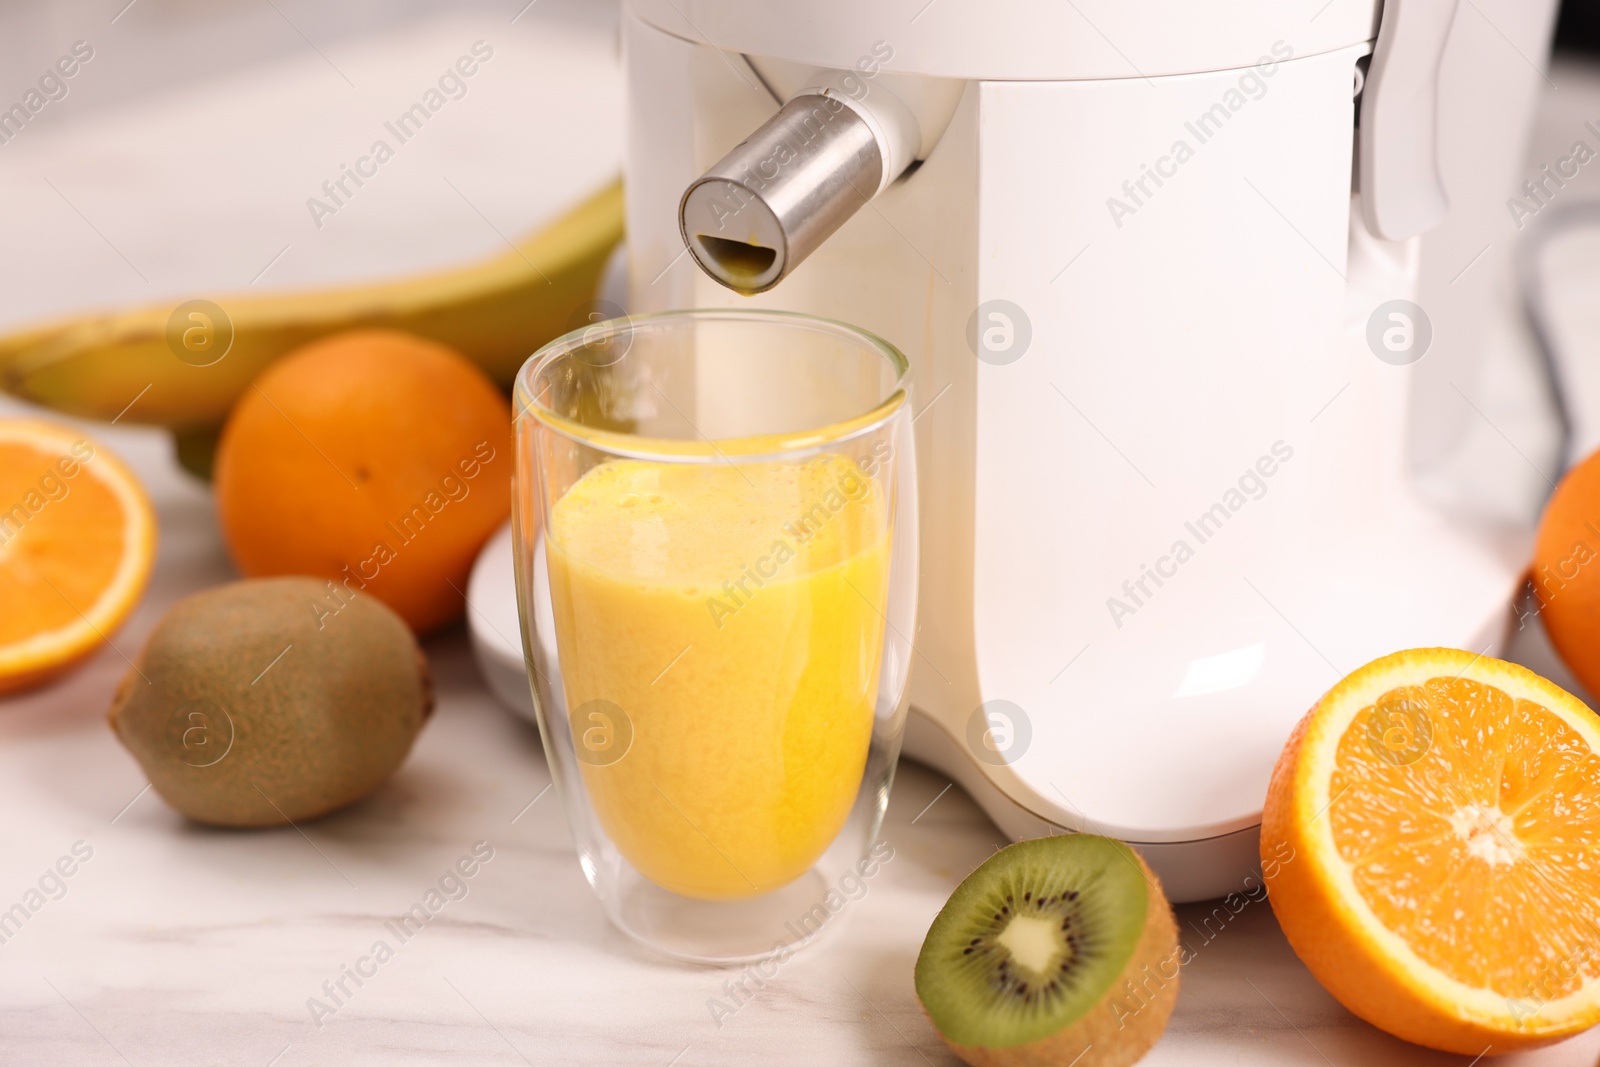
x: 1165, y: 489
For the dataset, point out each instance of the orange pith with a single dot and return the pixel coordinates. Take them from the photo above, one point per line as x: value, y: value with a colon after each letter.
x: 75, y: 549
x: 1442, y: 815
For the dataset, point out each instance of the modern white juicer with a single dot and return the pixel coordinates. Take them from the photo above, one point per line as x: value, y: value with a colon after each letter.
x: 1142, y: 255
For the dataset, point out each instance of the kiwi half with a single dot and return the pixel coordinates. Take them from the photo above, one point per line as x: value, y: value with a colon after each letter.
x: 1054, y: 951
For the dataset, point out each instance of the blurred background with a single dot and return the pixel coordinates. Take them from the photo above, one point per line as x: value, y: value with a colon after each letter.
x: 181, y: 159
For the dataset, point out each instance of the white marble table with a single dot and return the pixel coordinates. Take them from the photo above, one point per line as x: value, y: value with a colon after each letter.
x: 174, y: 944
x: 177, y: 945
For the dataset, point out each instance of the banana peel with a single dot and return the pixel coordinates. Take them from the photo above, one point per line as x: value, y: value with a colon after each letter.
x: 129, y: 365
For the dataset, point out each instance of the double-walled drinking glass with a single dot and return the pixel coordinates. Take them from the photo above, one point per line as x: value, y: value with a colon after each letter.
x: 716, y: 567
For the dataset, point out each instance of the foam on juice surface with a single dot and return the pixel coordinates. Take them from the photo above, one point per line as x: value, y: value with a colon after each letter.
x: 735, y: 614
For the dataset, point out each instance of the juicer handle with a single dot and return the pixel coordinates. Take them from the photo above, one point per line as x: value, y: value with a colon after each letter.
x: 1401, y: 191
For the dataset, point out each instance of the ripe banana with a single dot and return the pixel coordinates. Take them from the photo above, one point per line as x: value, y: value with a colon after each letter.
x: 187, y: 367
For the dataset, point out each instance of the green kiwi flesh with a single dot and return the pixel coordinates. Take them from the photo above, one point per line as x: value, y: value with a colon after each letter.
x: 1035, y: 947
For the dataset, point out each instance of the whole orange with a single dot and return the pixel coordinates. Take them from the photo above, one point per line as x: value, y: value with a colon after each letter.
x: 374, y: 459
x: 1566, y: 570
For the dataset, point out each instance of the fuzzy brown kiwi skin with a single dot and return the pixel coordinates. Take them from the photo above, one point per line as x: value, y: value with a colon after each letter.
x: 320, y: 729
x: 1117, y: 1030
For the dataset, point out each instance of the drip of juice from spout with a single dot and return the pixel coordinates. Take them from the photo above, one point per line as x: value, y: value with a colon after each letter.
x: 741, y: 261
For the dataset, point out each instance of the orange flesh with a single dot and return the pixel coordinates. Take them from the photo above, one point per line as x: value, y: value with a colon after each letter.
x: 1481, y: 849
x: 67, y: 550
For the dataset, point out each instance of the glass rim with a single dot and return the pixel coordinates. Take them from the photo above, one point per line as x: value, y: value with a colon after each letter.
x: 752, y: 449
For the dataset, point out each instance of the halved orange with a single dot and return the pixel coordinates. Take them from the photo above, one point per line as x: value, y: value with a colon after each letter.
x: 77, y: 538
x: 1431, y: 845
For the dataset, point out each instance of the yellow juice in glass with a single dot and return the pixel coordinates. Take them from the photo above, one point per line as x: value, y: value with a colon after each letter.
x: 735, y: 616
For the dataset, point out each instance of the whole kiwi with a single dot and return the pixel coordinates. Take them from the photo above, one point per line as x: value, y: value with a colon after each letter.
x: 273, y: 700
